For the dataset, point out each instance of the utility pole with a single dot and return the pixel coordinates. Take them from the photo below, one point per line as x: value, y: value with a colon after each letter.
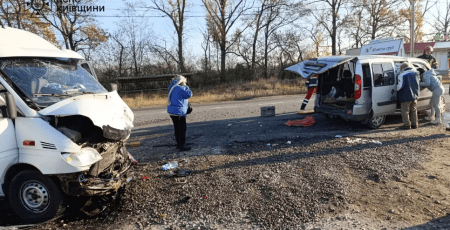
x: 412, y: 28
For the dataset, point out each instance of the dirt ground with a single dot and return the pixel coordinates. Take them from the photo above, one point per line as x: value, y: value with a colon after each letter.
x: 382, y: 180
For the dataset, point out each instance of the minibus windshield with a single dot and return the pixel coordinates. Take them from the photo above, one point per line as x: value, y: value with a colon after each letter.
x: 47, y: 81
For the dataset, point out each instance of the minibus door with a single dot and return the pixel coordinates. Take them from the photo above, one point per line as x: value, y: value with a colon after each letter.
x: 384, y: 95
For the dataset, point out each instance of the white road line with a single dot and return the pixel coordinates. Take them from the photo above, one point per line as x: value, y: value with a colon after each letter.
x: 272, y: 103
x: 224, y: 107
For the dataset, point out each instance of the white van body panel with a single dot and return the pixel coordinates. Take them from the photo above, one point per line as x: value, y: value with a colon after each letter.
x: 49, y: 144
x: 16, y: 43
x: 8, y: 148
x: 102, y: 109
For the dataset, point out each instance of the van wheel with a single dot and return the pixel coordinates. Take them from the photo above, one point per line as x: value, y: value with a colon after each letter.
x: 35, y: 197
x: 376, y: 122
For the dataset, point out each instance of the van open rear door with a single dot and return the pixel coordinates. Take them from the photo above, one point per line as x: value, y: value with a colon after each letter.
x: 318, y: 65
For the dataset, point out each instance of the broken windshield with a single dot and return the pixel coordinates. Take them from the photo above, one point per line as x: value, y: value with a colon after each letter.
x: 49, y: 81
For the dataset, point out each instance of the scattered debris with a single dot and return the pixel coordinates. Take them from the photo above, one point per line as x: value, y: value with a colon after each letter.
x: 289, y: 142
x: 363, y: 141
x: 144, y: 177
x: 268, y: 144
x: 338, y: 136
x: 129, y: 179
x: 230, y: 124
x: 182, y: 172
x: 170, y: 165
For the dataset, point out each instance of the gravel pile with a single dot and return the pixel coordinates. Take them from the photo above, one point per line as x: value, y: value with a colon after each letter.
x: 279, y: 189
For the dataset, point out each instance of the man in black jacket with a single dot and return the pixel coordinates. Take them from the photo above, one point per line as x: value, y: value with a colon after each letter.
x: 427, y: 56
x: 407, y: 94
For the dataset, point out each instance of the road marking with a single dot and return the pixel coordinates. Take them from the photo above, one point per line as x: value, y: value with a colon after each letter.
x: 224, y: 107
x: 272, y: 103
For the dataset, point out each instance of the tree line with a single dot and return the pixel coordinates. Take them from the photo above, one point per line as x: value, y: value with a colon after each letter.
x: 241, y: 39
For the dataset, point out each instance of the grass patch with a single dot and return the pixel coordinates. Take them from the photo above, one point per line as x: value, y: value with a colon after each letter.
x: 226, y: 92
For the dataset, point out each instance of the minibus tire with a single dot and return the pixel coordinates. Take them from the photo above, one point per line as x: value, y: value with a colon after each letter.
x: 376, y: 122
x: 34, y: 197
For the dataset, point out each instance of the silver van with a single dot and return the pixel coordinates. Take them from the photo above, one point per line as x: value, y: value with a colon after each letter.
x: 360, y: 88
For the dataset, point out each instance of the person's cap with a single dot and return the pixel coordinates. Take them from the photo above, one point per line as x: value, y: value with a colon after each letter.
x: 404, y: 65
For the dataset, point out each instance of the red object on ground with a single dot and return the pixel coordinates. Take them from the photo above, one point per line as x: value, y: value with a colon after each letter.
x: 205, y: 197
x: 308, y: 121
x: 144, y: 177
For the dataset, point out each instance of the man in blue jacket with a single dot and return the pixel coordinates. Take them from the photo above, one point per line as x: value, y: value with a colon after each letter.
x: 407, y: 94
x: 177, y: 107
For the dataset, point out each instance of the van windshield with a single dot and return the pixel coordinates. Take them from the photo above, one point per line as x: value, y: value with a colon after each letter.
x: 47, y: 81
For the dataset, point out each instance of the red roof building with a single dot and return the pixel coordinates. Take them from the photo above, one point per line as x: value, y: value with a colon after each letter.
x: 418, y: 48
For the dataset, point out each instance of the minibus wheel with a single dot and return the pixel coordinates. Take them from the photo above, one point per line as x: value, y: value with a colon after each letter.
x: 376, y: 122
x: 35, y: 197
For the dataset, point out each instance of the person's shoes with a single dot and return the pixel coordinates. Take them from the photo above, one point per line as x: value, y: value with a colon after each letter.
x: 437, y: 121
x: 414, y: 127
x: 302, y: 107
x: 405, y: 127
x: 183, y: 148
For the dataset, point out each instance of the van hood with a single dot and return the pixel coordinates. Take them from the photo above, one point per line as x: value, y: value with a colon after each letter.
x: 107, y: 111
x: 318, y: 65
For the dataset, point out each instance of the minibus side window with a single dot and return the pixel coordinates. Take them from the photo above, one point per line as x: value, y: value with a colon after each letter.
x: 383, y: 74
x: 367, y: 80
x: 377, y: 74
x: 388, y: 74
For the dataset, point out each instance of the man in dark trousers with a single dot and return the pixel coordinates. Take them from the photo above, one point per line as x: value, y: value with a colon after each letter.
x: 427, y: 56
x: 407, y: 94
x: 311, y: 85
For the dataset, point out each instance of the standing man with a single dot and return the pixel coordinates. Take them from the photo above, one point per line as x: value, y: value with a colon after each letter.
x: 427, y: 56
x: 407, y: 94
x: 177, y: 108
x: 311, y: 85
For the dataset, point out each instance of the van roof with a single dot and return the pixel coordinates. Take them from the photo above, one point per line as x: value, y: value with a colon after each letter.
x: 366, y: 57
x: 20, y: 43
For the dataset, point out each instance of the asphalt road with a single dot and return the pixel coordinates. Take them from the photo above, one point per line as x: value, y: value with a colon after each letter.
x: 221, y: 128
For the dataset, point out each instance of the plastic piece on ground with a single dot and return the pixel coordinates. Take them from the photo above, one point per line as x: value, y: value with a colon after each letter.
x: 305, y: 111
x: 183, y: 172
x: 289, y: 142
x: 134, y: 161
x: 135, y: 144
x: 170, y: 165
x: 129, y: 179
x: 338, y: 136
x: 144, y: 177
x: 206, y: 197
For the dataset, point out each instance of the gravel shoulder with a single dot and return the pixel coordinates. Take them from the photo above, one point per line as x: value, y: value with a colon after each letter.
x: 353, y: 182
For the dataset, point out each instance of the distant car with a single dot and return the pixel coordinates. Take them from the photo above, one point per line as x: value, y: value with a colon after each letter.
x: 360, y: 88
x: 61, y: 132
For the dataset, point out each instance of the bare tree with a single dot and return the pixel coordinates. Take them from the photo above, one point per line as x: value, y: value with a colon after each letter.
x: 421, y: 8
x: 78, y: 28
x: 442, y: 20
x: 224, y: 14
x: 15, y: 14
x: 175, y: 11
x: 356, y: 24
x: 383, y: 18
x: 332, y: 15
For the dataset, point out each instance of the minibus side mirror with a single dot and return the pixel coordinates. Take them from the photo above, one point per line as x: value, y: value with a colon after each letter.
x: 113, y: 87
x: 11, y: 104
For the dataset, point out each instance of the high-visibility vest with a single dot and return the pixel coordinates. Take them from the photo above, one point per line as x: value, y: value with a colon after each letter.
x: 311, y: 82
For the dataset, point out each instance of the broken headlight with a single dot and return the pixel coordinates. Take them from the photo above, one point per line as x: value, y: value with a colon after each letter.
x: 87, y: 156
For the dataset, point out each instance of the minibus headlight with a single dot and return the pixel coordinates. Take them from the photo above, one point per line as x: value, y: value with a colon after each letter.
x: 87, y: 156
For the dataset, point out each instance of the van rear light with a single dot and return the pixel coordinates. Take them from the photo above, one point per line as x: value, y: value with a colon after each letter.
x: 357, y: 87
x: 28, y: 143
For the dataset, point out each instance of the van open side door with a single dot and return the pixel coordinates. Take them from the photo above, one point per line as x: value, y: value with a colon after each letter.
x: 384, y: 95
x: 318, y: 65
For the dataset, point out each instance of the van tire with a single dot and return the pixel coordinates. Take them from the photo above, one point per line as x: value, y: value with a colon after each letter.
x: 35, y: 197
x: 376, y: 122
